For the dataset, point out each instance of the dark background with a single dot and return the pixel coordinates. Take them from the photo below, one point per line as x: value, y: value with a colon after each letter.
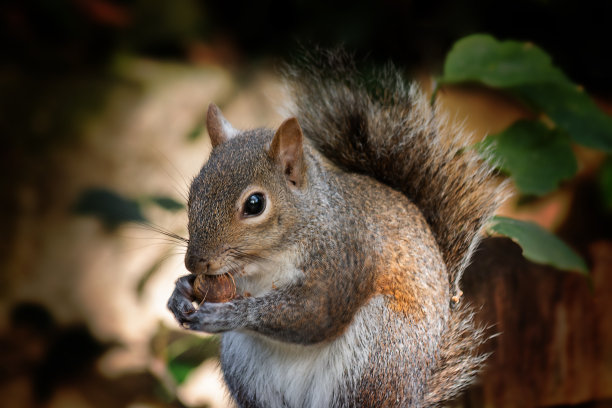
x: 44, y: 37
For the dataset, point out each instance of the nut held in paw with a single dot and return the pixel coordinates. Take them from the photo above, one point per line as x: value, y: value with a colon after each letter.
x: 215, y: 288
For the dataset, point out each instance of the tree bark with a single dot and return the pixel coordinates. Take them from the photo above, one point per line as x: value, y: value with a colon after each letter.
x: 553, y: 343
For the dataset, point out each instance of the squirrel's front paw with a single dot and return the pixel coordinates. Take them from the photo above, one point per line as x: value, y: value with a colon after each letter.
x: 180, y: 302
x: 215, y: 317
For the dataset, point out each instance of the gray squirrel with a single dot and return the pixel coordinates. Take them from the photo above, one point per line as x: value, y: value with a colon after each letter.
x: 346, y: 231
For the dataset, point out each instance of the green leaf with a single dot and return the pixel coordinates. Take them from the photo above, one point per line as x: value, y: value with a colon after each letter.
x: 498, y: 64
x: 111, y: 208
x: 572, y: 110
x: 166, y: 203
x: 537, y: 158
x: 526, y: 72
x: 605, y: 182
x: 538, y: 244
x: 179, y: 370
x: 188, y: 352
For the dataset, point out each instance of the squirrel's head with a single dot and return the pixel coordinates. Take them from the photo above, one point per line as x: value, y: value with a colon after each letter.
x: 242, y: 204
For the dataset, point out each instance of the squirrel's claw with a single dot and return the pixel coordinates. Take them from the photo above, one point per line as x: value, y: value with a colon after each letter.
x: 180, y: 300
x: 215, y: 318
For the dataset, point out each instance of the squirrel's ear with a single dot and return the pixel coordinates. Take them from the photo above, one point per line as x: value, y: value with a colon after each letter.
x: 287, y: 150
x: 219, y: 129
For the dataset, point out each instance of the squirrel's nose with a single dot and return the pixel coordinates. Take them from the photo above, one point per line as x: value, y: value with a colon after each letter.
x: 196, y: 264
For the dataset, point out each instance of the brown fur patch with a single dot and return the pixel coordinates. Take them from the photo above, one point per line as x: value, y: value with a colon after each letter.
x: 394, y: 282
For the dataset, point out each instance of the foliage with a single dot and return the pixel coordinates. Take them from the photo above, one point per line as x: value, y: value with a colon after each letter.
x: 188, y: 352
x: 166, y: 203
x: 536, y: 154
x: 113, y: 209
x: 538, y: 244
x: 526, y: 72
x: 527, y: 148
x: 605, y: 182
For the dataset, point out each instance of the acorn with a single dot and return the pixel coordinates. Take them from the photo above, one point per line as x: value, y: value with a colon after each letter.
x: 214, y: 288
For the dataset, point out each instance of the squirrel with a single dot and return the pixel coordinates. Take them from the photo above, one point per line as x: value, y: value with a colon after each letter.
x: 347, y: 228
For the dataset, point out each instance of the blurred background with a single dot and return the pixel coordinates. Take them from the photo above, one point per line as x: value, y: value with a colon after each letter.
x: 102, y: 106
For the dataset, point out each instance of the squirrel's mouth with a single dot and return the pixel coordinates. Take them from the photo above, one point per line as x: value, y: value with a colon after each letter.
x: 218, y: 272
x: 229, y: 268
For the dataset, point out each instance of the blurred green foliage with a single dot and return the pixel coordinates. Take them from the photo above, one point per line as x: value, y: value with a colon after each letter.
x: 166, y: 203
x: 538, y: 158
x: 109, y: 207
x: 605, y: 182
x: 538, y: 244
x: 526, y: 72
x: 114, y: 209
x: 188, y: 352
x: 536, y: 154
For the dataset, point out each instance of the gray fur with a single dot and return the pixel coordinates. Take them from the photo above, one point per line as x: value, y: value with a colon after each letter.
x: 355, y: 265
x: 380, y: 125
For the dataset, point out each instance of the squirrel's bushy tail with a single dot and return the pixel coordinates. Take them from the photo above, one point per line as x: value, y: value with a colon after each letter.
x: 459, y: 360
x: 380, y: 125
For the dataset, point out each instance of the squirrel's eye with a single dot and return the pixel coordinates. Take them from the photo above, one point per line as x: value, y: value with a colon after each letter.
x: 254, y: 204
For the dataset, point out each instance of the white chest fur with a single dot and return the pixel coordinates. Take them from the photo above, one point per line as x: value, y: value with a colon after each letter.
x: 283, y: 374
x: 262, y: 276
